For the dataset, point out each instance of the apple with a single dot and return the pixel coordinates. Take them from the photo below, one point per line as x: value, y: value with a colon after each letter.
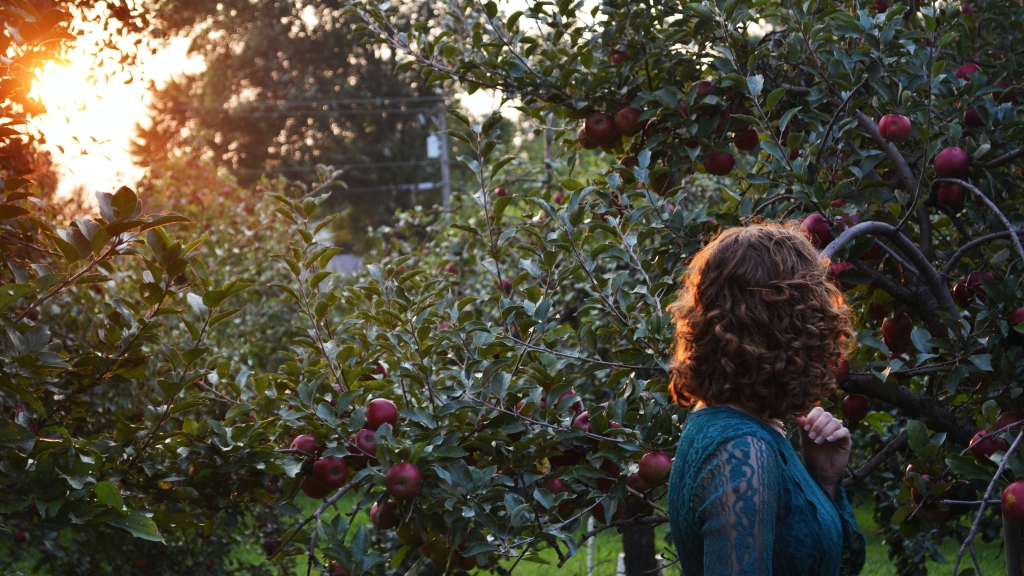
x: 618, y: 57
x: 600, y: 128
x: 307, y: 444
x: 1013, y: 502
x: 379, y: 369
x: 837, y: 269
x: 586, y: 141
x: 894, y: 127
x: 655, y: 468
x: 887, y: 175
x: 330, y: 472
x: 855, y: 407
x: 967, y: 8
x: 896, y: 332
x: 403, y: 481
x: 582, y: 421
x: 876, y: 311
x: 556, y: 486
x: 911, y: 469
x: 380, y: 411
x: 951, y: 195
x: 613, y: 472
x: 20, y: 537
x: 577, y: 407
x: 385, y: 517
x: 566, y: 458
x: 817, y: 229
x: 637, y: 483
x: 314, y: 490
x: 627, y: 121
x: 967, y: 70
x: 719, y: 163
x: 842, y: 370
x: 1009, y: 93
x: 630, y: 162
x: 501, y: 191
x: 981, y: 448
x: 268, y: 546
x: 599, y: 512
x: 881, y: 5
x: 951, y: 163
x: 661, y: 184
x: 972, y: 118
x: 409, y: 535
x: 1017, y: 317
x: 558, y: 198
x: 965, y: 292
x: 451, y: 268
x: 1006, y: 419
x: 837, y: 203
x: 747, y: 139
x: 335, y: 569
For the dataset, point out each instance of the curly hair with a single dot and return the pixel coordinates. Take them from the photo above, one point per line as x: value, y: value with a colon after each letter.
x: 758, y: 321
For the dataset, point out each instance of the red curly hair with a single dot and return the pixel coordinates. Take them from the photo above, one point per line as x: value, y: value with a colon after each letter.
x: 758, y: 321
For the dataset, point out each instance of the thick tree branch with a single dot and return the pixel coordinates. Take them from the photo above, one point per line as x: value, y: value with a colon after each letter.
x: 918, y: 406
x: 1006, y: 158
x: 897, y: 444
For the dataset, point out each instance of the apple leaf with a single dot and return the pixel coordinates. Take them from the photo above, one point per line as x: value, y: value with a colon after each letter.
x: 139, y: 526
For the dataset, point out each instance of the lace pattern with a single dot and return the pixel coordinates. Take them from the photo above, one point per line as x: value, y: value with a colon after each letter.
x: 741, y: 502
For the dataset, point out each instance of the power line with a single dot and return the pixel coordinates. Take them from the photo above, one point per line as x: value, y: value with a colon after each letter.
x: 383, y: 100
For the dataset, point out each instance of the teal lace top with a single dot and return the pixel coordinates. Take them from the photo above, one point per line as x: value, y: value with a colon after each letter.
x: 742, y: 502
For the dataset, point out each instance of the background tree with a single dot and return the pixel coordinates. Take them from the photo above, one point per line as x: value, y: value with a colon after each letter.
x: 289, y: 86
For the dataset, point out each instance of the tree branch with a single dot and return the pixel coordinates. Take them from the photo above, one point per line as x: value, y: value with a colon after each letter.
x: 898, y: 443
x: 974, y: 244
x: 992, y: 206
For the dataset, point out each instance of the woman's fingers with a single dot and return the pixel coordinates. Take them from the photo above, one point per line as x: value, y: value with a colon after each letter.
x: 826, y: 432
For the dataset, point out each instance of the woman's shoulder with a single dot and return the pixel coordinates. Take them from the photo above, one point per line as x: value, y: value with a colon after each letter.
x: 708, y: 428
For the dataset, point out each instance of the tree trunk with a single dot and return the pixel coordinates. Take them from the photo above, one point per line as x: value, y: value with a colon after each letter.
x: 638, y: 543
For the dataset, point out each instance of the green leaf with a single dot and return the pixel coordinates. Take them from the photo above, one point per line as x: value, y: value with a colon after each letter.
x: 11, y: 292
x: 773, y: 98
x: 139, y: 526
x: 124, y: 202
x: 222, y: 316
x: 918, y: 435
x: 982, y: 361
x: 15, y: 435
x: 108, y: 494
x: 164, y: 221
x: 755, y: 84
x: 10, y: 211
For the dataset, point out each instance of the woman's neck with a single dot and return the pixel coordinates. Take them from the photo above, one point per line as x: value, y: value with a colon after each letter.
x: 739, y: 407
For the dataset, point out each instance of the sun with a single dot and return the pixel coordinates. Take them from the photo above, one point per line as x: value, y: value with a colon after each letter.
x: 64, y: 88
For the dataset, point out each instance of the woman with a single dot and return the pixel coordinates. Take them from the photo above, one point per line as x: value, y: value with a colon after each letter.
x: 760, y: 329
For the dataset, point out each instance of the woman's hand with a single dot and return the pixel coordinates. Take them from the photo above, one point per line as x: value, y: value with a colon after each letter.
x: 826, y: 444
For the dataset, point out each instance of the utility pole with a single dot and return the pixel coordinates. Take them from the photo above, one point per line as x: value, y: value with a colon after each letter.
x: 441, y: 121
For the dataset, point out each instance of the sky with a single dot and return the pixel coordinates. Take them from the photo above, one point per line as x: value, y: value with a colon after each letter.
x: 91, y: 119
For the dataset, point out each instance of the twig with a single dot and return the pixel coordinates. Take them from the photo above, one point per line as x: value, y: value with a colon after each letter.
x: 984, y: 502
x: 975, y: 243
x: 580, y: 358
x: 329, y: 501
x: 1006, y: 158
x: 992, y: 206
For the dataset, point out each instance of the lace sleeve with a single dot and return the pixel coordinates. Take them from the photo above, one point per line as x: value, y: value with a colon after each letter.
x: 854, y: 545
x: 736, y: 499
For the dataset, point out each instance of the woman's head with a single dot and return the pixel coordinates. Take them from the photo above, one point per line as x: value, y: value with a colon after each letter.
x: 758, y: 322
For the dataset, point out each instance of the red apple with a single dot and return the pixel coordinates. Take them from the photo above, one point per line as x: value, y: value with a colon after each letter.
x: 556, y: 486
x: 566, y: 458
x: 385, y: 517
x: 576, y: 407
x: 896, y: 332
x: 380, y: 411
x: 582, y: 421
x: 719, y: 163
x: 335, y: 569
x: 558, y: 198
x: 747, y: 139
x: 881, y: 5
x: 982, y: 448
x: 1006, y: 419
x: 661, y: 184
x: 381, y: 369
x: 314, y: 490
x: 636, y: 483
x: 703, y: 89
x: 951, y: 195
x: 967, y: 8
x: 20, y: 537
x: 967, y: 70
x: 951, y: 163
x: 837, y: 269
x: 894, y: 127
x: 817, y: 229
x: 842, y: 370
x: 618, y: 57
x: 501, y: 191
x: 855, y: 407
x: 600, y: 128
x: 586, y: 141
x: 613, y: 472
x: 837, y: 203
x: 307, y: 444
x: 403, y: 481
x: 627, y: 121
x: 887, y: 175
x: 1013, y: 502
x: 1017, y: 317
x: 599, y: 512
x: 451, y: 268
x: 330, y: 472
x: 965, y: 292
x: 973, y: 119
x: 876, y: 311
x: 655, y: 468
